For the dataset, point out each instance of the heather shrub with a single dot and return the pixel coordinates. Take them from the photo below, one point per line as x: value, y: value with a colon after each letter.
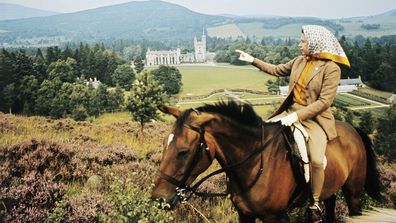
x: 85, y: 207
x: 30, y: 175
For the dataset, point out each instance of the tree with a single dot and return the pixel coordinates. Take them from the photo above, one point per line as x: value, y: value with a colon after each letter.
x: 102, y: 97
x: 62, y: 70
x: 385, y: 142
x: 9, y: 96
x: 349, y: 117
x: 80, y: 96
x: 60, y: 106
x: 28, y: 93
x: 170, y: 77
x: 146, y: 95
x: 139, y: 65
x: 366, y: 123
x: 384, y: 78
x: 123, y: 76
x: 115, y: 99
x: 80, y: 113
x: 45, y: 95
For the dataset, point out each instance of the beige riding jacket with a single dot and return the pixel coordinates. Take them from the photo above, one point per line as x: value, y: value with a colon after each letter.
x: 321, y: 89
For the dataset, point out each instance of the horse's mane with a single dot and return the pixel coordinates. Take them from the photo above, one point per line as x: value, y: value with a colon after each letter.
x: 240, y: 113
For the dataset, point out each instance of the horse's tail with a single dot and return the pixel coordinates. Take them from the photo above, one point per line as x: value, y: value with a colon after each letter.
x: 373, y: 183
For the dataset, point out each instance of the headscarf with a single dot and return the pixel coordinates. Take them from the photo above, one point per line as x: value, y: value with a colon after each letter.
x: 323, y: 44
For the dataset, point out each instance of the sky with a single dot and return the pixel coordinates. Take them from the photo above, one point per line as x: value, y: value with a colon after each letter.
x: 311, y: 8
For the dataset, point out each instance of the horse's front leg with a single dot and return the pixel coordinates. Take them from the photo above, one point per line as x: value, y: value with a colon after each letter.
x: 245, y: 218
x: 271, y: 218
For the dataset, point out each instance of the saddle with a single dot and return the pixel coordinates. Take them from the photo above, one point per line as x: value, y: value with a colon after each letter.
x: 297, y: 137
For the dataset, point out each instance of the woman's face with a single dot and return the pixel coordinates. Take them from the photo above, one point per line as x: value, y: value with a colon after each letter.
x: 303, y: 45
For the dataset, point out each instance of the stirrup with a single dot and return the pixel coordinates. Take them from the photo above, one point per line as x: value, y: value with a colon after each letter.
x: 316, y: 214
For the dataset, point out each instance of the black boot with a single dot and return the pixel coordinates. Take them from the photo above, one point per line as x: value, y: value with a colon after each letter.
x: 315, y: 214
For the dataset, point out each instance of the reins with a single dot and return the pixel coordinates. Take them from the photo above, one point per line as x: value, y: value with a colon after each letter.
x: 184, y: 192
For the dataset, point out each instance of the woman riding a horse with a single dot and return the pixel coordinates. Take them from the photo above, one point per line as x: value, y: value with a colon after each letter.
x: 254, y: 155
x: 314, y: 78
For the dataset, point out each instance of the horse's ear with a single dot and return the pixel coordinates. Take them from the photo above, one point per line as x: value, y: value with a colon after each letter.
x: 170, y: 110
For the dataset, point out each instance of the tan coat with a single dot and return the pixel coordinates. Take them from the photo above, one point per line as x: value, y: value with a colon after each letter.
x: 320, y: 91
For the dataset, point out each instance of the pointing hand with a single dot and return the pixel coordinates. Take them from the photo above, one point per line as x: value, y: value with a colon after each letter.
x: 244, y: 56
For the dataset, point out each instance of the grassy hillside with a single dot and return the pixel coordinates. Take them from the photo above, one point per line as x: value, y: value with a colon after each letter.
x: 284, y: 27
x: 99, y: 171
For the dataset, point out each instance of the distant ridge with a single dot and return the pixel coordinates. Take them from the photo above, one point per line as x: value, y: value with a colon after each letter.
x: 10, y: 11
x: 157, y: 20
x: 154, y: 20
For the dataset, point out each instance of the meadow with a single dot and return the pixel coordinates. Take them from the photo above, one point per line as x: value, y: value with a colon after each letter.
x: 199, y: 80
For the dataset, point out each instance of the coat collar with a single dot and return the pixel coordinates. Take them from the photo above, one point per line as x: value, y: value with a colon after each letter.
x: 316, y: 70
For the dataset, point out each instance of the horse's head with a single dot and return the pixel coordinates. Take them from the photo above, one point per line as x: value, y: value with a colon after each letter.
x: 188, y: 151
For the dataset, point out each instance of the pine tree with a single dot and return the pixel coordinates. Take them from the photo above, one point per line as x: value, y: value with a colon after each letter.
x: 9, y: 94
x: 146, y: 95
x: 386, y: 139
x: 139, y: 65
x: 366, y: 122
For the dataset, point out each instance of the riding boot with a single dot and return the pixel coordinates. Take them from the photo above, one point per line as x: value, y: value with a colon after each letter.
x: 316, y: 185
x: 317, y: 181
x: 315, y: 214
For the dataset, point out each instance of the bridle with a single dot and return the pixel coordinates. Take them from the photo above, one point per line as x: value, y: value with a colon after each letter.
x: 184, y: 191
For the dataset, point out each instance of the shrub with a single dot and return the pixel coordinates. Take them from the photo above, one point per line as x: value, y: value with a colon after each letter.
x: 30, y: 175
x: 132, y: 204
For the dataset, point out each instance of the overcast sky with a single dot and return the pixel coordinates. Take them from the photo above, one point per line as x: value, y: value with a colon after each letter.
x: 315, y: 8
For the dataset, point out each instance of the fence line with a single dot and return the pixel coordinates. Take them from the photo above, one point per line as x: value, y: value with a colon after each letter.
x: 238, y: 90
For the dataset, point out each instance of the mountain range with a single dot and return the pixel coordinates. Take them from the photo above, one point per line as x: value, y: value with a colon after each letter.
x: 162, y: 21
x: 14, y: 11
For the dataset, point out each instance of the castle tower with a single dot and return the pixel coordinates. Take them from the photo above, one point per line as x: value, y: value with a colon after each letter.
x: 200, y: 48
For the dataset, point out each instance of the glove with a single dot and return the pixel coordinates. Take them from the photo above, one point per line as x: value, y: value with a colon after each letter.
x: 245, y: 56
x: 287, y: 120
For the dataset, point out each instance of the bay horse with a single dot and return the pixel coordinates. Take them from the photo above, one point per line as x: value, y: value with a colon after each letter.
x: 254, y: 157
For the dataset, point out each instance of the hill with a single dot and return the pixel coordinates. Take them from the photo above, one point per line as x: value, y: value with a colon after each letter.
x: 14, y: 11
x: 283, y: 27
x: 162, y: 21
x: 154, y: 20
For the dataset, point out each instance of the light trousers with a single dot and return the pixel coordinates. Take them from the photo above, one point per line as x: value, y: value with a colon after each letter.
x: 316, y: 147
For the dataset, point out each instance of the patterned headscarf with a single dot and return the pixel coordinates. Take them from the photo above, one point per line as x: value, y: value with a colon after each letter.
x: 323, y: 44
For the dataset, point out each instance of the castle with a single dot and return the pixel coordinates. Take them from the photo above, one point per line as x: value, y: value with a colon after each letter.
x: 175, y: 57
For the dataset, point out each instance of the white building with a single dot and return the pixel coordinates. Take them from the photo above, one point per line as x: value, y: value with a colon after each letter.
x: 346, y: 85
x: 174, y: 57
x: 94, y: 83
x: 353, y: 81
x: 392, y: 99
x: 170, y: 57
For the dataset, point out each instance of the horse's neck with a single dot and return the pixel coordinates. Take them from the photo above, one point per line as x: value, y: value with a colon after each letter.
x: 237, y: 146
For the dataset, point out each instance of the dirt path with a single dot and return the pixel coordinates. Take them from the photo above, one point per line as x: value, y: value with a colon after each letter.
x: 377, y: 215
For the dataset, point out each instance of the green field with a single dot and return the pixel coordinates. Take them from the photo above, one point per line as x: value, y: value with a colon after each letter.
x: 382, y: 94
x: 345, y: 100
x: 352, y: 27
x: 201, y: 80
x: 257, y: 29
x: 225, y: 31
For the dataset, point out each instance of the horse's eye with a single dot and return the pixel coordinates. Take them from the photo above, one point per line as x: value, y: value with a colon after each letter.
x: 182, y: 153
